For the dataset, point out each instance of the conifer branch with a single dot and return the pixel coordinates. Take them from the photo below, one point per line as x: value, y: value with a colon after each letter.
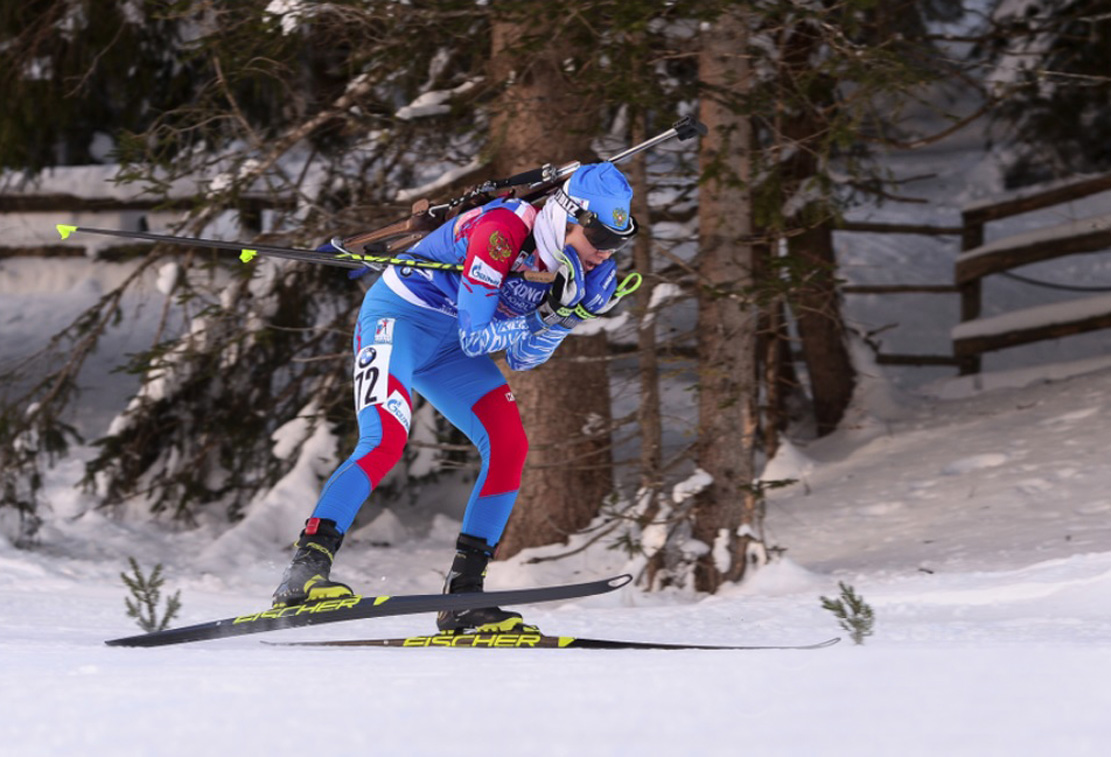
x: 146, y: 593
x: 853, y: 614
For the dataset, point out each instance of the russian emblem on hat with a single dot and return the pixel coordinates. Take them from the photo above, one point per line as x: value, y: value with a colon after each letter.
x: 602, y: 189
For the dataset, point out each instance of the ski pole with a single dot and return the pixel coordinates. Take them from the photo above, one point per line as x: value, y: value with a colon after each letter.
x: 247, y: 253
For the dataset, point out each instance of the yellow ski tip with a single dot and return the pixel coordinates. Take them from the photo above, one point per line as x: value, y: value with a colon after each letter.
x: 64, y: 230
x: 248, y: 255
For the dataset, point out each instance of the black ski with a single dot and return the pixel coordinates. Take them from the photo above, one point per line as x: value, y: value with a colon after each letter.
x: 354, y: 608
x: 533, y: 641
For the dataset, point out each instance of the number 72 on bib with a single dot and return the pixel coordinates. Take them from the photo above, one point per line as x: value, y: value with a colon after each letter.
x: 372, y: 367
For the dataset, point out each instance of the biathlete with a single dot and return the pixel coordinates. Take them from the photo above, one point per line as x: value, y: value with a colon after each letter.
x: 435, y: 331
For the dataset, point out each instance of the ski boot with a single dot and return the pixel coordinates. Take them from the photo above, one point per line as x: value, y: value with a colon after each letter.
x: 466, y: 575
x: 306, y: 578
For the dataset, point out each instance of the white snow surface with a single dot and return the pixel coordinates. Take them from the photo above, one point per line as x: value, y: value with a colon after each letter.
x: 977, y: 527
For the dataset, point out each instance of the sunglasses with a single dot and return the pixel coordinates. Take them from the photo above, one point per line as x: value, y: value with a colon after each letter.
x: 602, y: 237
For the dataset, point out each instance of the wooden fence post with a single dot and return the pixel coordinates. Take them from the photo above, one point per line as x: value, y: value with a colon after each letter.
x: 972, y: 236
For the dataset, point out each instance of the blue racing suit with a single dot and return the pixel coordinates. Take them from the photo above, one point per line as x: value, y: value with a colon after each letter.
x: 433, y: 331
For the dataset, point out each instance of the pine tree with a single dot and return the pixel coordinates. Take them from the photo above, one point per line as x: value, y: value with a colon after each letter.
x: 1050, y: 86
x: 146, y: 596
x: 277, y: 104
x: 853, y: 614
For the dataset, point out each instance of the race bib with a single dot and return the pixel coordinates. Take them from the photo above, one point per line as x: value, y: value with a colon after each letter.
x: 372, y: 369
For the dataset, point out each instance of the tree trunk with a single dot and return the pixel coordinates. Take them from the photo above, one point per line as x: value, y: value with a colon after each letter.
x: 648, y: 411
x: 785, y: 400
x: 821, y: 329
x: 816, y: 303
x: 726, y: 513
x: 649, y: 421
x: 565, y: 403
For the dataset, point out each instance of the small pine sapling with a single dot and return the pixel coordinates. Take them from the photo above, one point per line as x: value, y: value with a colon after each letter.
x: 146, y: 591
x: 852, y: 613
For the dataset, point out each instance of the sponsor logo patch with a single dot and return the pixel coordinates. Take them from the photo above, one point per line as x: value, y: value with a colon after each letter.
x: 482, y: 273
x: 518, y: 296
x: 475, y: 640
x: 383, y: 332
x: 366, y: 356
x: 396, y: 406
x: 316, y: 607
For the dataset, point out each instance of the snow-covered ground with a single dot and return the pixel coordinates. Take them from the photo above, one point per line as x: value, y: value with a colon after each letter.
x: 978, y: 528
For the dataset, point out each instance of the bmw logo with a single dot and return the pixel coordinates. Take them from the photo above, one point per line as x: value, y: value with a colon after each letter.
x: 366, y: 356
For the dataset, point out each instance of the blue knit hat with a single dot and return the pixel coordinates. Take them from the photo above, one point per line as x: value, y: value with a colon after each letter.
x: 603, y: 190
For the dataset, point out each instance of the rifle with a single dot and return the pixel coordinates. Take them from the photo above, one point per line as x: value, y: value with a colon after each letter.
x: 380, y: 247
x: 532, y: 186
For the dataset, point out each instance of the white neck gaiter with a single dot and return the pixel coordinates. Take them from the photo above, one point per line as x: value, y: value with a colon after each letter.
x: 550, y: 232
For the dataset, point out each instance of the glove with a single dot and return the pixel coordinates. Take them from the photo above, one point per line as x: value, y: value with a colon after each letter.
x: 566, y: 293
x: 601, y: 284
x: 603, y: 292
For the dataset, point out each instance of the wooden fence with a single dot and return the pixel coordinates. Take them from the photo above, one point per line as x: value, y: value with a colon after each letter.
x: 892, y: 228
x: 975, y: 335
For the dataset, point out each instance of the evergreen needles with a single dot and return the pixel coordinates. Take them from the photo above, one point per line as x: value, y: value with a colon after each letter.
x: 146, y: 591
x: 852, y: 612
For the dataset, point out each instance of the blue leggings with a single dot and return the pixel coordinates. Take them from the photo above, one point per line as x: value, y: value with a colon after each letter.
x: 400, y: 347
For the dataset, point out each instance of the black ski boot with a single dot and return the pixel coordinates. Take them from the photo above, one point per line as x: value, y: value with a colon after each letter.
x: 467, y: 573
x: 306, y: 578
